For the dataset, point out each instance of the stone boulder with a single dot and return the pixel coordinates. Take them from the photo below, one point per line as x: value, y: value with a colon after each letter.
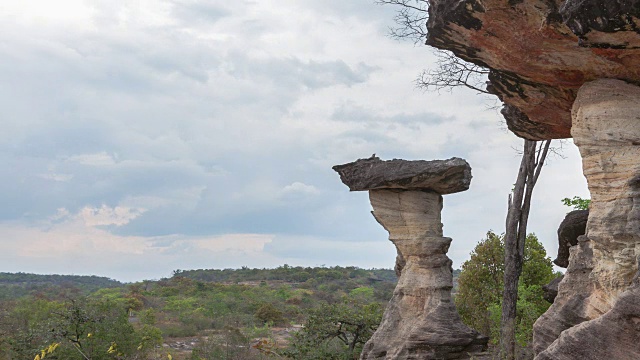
x: 550, y: 291
x: 573, y: 225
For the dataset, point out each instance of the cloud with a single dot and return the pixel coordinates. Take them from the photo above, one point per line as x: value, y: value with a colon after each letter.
x: 164, y: 126
x: 299, y: 188
x: 105, y: 215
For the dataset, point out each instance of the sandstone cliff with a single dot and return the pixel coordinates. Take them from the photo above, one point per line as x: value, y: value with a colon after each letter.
x: 569, y: 68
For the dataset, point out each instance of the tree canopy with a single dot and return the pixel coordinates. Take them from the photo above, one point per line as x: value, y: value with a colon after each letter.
x: 481, y: 283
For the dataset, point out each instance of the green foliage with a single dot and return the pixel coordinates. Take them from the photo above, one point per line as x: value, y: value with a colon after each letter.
x: 577, y: 203
x: 269, y: 314
x: 481, y: 283
x: 229, y: 344
x: 335, y: 331
x: 138, y: 317
x: 14, y: 286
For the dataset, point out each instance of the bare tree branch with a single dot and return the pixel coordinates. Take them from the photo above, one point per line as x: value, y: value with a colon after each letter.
x: 450, y: 71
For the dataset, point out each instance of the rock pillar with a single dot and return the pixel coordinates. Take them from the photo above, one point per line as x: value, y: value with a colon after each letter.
x: 600, y: 291
x: 420, y: 321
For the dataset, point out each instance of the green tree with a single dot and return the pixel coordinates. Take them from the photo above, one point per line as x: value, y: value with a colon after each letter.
x: 335, y: 331
x: 268, y: 313
x: 577, y: 203
x: 481, y: 283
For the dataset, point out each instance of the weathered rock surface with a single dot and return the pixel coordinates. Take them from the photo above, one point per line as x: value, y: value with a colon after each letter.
x: 550, y: 291
x: 420, y: 321
x: 572, y: 305
x: 440, y: 176
x: 573, y: 225
x: 606, y: 128
x: 552, y: 62
x: 614, y: 335
x: 540, y: 52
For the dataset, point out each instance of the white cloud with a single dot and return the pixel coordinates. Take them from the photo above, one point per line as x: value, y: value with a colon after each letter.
x: 106, y: 215
x: 301, y: 188
x: 97, y: 159
x: 160, y: 127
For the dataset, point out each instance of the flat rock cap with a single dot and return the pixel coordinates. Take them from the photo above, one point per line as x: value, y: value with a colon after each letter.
x: 440, y: 176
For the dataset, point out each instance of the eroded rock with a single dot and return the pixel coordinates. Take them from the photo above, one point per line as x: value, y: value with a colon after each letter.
x: 540, y: 52
x: 573, y: 225
x: 614, y: 335
x: 550, y: 291
x: 440, y: 176
x: 420, y: 321
x: 606, y: 128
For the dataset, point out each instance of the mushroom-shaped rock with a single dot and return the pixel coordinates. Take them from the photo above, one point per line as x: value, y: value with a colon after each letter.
x: 420, y: 321
x: 573, y: 225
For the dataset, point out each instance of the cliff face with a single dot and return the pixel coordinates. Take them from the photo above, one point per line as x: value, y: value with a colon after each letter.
x: 571, y: 68
x: 540, y: 52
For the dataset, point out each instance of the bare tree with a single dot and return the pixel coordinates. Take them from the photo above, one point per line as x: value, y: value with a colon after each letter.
x: 533, y: 159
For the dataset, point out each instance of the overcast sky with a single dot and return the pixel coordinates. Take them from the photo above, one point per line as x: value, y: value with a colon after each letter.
x: 140, y: 137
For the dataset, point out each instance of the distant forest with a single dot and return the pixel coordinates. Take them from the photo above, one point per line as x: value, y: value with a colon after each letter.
x: 194, y: 314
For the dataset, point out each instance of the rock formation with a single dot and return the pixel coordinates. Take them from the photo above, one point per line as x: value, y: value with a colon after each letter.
x: 550, y: 291
x: 606, y: 128
x: 568, y: 68
x: 420, y: 321
x: 573, y: 225
x: 614, y: 335
x: 540, y: 52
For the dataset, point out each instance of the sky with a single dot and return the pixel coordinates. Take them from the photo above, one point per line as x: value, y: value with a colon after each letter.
x: 141, y: 137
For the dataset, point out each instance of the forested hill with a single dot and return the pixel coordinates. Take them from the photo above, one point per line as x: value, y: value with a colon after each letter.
x: 14, y: 285
x: 289, y: 274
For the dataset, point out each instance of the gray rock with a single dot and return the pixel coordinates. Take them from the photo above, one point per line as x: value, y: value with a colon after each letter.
x: 550, y: 291
x: 440, y: 176
x: 573, y: 225
x: 614, y: 335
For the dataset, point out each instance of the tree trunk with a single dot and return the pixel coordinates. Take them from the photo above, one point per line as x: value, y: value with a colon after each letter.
x: 514, y: 241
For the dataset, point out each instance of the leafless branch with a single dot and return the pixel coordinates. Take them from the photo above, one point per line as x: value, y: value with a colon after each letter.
x: 451, y: 72
x: 411, y: 19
